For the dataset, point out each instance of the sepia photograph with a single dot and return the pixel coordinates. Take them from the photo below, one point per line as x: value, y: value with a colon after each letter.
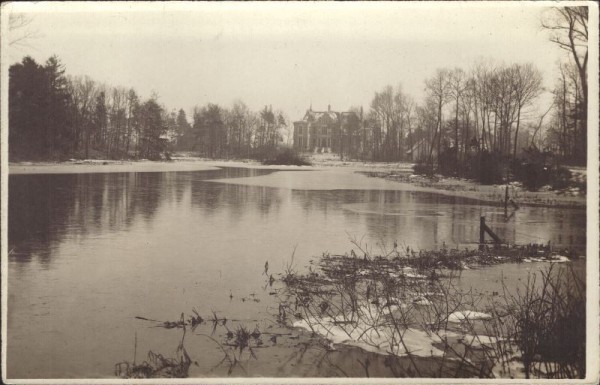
x: 300, y: 192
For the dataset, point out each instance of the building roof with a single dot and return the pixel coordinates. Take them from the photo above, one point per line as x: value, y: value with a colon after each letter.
x: 325, y: 117
x: 321, y: 116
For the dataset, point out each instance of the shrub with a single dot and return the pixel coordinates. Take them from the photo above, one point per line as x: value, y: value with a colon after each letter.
x: 286, y: 156
x: 537, y: 169
x: 485, y: 167
x: 560, y: 177
x: 423, y: 169
x: 447, y: 164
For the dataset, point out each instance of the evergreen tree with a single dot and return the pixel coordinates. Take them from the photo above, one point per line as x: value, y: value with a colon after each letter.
x: 153, y: 128
x: 58, y: 133
x: 25, y: 97
x: 184, y: 130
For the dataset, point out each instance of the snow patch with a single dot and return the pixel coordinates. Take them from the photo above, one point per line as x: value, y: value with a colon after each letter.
x: 458, y: 316
x: 555, y: 259
x: 560, y: 259
x: 422, y: 301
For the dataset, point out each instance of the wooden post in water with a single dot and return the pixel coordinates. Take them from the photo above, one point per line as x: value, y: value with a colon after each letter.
x: 481, y: 232
x: 483, y: 228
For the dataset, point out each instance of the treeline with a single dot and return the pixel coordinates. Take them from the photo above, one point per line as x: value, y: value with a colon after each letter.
x: 53, y: 116
x: 486, y: 108
x: 479, y: 122
x: 233, y: 132
x: 482, y: 108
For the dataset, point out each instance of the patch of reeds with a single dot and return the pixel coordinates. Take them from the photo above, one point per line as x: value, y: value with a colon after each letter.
x: 548, y: 319
x: 237, y: 344
x: 384, y: 303
x: 156, y: 365
x: 428, y: 261
x: 238, y: 347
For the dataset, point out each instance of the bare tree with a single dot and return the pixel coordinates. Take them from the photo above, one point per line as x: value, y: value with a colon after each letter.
x: 438, y: 89
x: 468, y: 107
x: 568, y: 124
x: 569, y: 30
x: 527, y: 86
x: 482, y: 75
x: 505, y: 108
x: 425, y: 127
x: 117, y: 120
x: 389, y: 111
x: 382, y: 110
x: 408, y: 118
x: 401, y: 117
x: 85, y: 91
x: 456, y: 86
x: 536, y: 129
x: 238, y: 121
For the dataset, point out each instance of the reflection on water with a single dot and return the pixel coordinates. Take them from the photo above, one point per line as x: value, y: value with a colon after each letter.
x: 44, y: 209
x: 92, y: 251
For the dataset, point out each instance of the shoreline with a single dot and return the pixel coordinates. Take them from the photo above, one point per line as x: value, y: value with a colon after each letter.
x: 491, y: 194
x: 187, y: 163
x: 400, y: 173
x: 106, y: 166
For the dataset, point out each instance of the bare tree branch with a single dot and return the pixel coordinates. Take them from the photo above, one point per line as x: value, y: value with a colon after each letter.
x: 19, y: 31
x: 570, y: 32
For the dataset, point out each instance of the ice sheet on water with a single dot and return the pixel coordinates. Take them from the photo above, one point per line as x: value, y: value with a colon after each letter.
x: 318, y: 180
x: 379, y: 339
x: 375, y: 339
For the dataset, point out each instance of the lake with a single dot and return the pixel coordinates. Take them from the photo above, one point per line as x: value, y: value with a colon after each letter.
x: 90, y: 252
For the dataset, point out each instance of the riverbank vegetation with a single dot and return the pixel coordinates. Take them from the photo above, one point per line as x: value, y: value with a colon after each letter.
x: 403, y: 314
x: 534, y: 169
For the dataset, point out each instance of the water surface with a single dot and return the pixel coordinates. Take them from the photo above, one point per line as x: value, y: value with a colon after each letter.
x: 93, y: 251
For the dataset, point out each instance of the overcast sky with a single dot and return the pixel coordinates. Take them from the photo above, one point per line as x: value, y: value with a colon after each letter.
x: 286, y: 54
